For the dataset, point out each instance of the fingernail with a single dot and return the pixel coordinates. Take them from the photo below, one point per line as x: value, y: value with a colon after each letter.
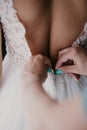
x: 58, y: 72
x: 76, y: 79
x: 50, y: 70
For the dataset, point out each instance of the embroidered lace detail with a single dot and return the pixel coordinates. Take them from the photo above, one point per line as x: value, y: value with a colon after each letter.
x: 14, y: 31
x: 5, y: 6
x: 82, y: 39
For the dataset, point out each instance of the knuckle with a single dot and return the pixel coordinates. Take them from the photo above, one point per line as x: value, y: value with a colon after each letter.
x: 59, y: 54
x: 79, y: 49
x: 40, y: 56
x: 74, y: 50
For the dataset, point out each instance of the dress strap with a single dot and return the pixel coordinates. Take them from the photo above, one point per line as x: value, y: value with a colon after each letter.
x: 5, y: 7
x: 82, y: 39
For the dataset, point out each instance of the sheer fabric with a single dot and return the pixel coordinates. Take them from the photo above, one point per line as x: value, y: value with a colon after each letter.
x: 18, y: 53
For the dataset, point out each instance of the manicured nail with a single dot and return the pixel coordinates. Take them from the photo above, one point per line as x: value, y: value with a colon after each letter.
x: 50, y: 70
x: 58, y: 72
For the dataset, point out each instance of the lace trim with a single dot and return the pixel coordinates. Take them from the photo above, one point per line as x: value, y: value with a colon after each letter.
x: 14, y: 31
x: 17, y: 47
x: 82, y: 39
x: 5, y: 6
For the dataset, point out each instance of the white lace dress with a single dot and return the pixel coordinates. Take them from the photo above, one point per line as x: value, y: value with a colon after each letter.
x: 59, y: 87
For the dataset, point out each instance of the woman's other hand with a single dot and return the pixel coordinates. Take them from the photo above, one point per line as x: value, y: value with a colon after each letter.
x: 79, y: 57
x: 36, y: 68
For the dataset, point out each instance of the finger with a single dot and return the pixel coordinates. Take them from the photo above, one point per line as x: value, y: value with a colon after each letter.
x: 44, y: 59
x: 70, y: 69
x: 75, y: 45
x: 47, y: 61
x: 39, y: 59
x: 75, y: 76
x: 67, y: 56
x: 39, y: 56
x: 62, y: 52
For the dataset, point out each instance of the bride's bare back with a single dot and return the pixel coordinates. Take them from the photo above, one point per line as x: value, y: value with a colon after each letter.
x: 51, y: 25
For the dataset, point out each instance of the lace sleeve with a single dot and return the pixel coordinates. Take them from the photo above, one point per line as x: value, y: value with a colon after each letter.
x: 2, y: 9
x: 82, y: 39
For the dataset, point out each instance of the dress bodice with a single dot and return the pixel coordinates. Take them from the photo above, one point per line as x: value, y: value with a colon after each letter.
x: 59, y: 87
x: 14, y: 31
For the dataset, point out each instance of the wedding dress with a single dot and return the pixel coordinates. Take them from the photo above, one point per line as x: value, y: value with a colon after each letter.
x: 18, y: 52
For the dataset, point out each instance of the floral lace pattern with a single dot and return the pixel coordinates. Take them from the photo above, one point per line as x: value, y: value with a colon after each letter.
x: 82, y: 39
x: 14, y: 31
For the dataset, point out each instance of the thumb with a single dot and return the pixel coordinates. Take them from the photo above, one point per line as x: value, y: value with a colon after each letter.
x: 47, y: 61
x: 70, y: 69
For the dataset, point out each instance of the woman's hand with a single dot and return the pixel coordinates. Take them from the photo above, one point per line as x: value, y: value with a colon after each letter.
x: 79, y: 57
x: 36, y: 68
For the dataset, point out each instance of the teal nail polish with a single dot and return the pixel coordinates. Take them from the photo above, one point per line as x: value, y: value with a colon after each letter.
x: 58, y: 72
x: 50, y: 70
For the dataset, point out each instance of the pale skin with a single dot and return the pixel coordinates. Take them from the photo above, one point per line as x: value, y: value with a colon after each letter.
x: 51, y: 25
x: 78, y: 55
x: 47, y: 32
x: 43, y: 113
